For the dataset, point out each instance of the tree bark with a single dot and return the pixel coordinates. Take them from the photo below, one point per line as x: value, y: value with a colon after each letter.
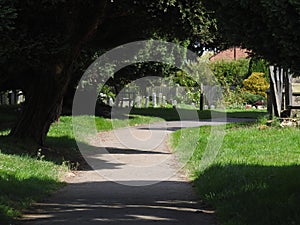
x: 42, y: 107
x: 44, y: 96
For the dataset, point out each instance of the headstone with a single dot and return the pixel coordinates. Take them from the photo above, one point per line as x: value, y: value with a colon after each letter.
x: 205, y: 107
x: 131, y: 103
x: 11, y: 97
x: 164, y: 101
x: 154, y: 99
x: 138, y: 101
x: 147, y: 102
x: 19, y: 97
x: 160, y: 96
x: 212, y: 107
x: 174, y: 103
x: 111, y: 102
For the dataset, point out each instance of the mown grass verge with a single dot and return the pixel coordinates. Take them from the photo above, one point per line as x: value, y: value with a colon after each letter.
x: 22, y: 181
x: 255, y: 178
x: 29, y: 173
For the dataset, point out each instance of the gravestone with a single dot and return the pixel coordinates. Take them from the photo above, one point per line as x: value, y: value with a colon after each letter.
x: 147, y: 102
x: 154, y: 99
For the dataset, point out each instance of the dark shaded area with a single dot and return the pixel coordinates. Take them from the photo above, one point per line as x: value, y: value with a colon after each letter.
x: 8, y: 116
x: 59, y: 150
x: 170, y: 114
x: 173, y: 114
x: 132, y: 151
x: 14, y: 197
x: 252, y: 194
x: 161, y: 128
x: 105, y: 202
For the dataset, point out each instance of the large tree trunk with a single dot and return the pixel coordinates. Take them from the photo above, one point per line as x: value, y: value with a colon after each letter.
x: 44, y: 97
x: 42, y: 107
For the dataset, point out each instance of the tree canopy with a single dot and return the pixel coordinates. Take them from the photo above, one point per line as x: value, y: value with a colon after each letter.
x: 270, y: 28
x: 47, y: 44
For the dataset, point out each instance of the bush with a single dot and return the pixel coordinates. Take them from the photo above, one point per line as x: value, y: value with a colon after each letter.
x: 256, y: 84
x: 233, y: 99
x: 230, y: 73
x: 252, y: 98
x: 259, y: 65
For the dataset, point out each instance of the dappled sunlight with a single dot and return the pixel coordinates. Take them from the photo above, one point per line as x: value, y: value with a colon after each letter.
x: 96, y: 202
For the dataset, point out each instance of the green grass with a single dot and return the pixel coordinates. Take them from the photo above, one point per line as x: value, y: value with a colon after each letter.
x: 61, y: 137
x: 24, y: 180
x: 254, y: 180
x: 61, y: 133
x: 37, y: 178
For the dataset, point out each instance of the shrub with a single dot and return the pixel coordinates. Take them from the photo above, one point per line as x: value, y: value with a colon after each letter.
x: 233, y: 99
x: 252, y: 98
x: 256, y: 84
x: 230, y: 73
x: 259, y: 65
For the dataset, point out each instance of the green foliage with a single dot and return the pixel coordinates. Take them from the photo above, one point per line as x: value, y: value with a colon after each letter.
x: 252, y: 98
x: 106, y: 92
x: 259, y: 65
x: 255, y: 178
x: 8, y: 14
x: 256, y: 84
x: 233, y: 99
x: 193, y: 75
x: 267, y: 27
x: 230, y: 73
x: 192, y: 18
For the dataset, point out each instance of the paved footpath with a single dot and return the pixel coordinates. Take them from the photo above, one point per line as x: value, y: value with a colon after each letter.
x: 135, y: 181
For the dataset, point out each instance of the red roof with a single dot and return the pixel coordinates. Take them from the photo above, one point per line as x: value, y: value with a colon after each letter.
x: 230, y: 54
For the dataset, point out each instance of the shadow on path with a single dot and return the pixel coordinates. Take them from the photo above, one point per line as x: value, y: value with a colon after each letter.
x: 92, y: 203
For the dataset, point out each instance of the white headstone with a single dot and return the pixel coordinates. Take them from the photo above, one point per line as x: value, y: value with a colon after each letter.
x: 111, y: 102
x: 164, y: 102
x: 147, y: 102
x: 174, y: 102
x: 154, y: 99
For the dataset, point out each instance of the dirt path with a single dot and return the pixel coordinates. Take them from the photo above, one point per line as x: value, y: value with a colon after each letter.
x: 136, y: 180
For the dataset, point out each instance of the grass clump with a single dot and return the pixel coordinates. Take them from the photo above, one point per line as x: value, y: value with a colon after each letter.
x: 255, y: 178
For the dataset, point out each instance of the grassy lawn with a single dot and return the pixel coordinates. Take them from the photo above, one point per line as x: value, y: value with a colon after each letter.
x: 38, y: 177
x: 254, y: 180
x: 61, y: 137
x: 25, y: 179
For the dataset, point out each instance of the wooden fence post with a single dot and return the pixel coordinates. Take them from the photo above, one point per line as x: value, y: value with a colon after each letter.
x: 276, y: 88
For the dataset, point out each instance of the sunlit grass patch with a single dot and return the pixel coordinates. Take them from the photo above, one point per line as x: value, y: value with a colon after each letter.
x: 255, y: 178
